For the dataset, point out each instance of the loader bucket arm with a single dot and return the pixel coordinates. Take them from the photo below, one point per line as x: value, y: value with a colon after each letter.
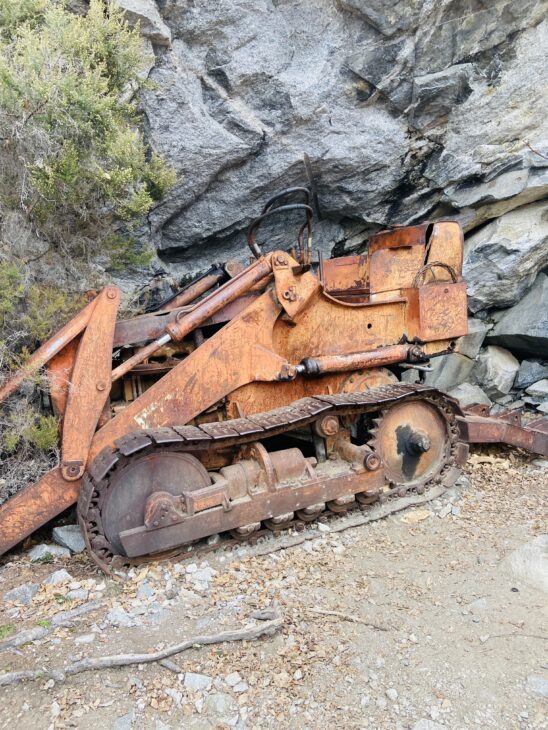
x: 89, y: 387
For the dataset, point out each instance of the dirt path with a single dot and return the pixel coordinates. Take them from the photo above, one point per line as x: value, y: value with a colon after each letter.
x: 465, y: 644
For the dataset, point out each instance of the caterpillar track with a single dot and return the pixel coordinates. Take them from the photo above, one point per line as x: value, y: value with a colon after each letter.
x: 162, y: 489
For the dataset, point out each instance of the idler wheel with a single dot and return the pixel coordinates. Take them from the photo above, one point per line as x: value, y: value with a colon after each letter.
x: 127, y: 503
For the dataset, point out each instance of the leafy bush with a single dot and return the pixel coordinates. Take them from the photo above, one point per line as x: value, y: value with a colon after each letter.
x: 74, y: 156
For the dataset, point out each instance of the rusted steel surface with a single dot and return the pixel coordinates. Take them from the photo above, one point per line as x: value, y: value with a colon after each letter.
x: 398, y: 238
x: 59, y: 373
x: 185, y: 323
x: 276, y: 485
x: 238, y: 354
x: 35, y: 505
x: 493, y: 430
x: 90, y: 385
x: 194, y: 290
x: 347, y: 274
x: 151, y: 326
x: 356, y: 361
x: 402, y: 302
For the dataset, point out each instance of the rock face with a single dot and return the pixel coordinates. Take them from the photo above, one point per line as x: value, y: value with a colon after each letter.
x: 407, y: 110
x: 524, y: 328
x: 502, y: 259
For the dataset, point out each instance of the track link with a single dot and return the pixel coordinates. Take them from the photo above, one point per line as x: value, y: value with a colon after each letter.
x: 242, y: 431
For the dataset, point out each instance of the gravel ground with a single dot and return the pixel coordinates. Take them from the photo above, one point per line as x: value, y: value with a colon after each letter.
x: 438, y: 620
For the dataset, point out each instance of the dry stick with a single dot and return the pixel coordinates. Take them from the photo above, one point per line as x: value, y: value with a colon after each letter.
x: 517, y: 633
x: 534, y: 150
x: 121, y: 660
x: 348, y: 617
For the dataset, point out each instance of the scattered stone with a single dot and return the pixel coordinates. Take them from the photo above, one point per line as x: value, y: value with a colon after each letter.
x: 175, y: 695
x: 22, y: 594
x: 125, y: 722
x: 392, y: 694
x: 543, y: 463
x: 172, y: 592
x: 468, y: 394
x: 43, y: 553
x: 59, y: 576
x: 145, y: 590
x: 538, y: 389
x: 240, y: 687
x: 197, y: 682
x: 530, y: 371
x: 496, y: 370
x: 470, y: 344
x: 78, y: 594
x: 381, y: 703
x: 480, y: 604
x: 445, y: 511
x: 455, y: 510
x: 537, y: 685
x: 448, y: 371
x: 84, y: 639
x: 222, y: 705
x: 213, y: 539
x: 120, y: 617
x: 233, y: 679
x: 69, y: 536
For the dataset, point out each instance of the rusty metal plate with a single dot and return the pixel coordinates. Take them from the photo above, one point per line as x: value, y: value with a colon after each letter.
x: 132, y: 442
x: 103, y: 463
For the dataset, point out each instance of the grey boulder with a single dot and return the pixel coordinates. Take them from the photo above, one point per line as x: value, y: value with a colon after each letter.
x: 495, y: 371
x: 468, y: 394
x: 45, y: 552
x: 524, y: 328
x: 530, y: 371
x: 69, y: 536
x: 22, y: 594
x: 538, y: 389
x: 502, y: 260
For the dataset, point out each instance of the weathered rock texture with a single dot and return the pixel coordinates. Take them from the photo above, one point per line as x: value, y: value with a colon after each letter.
x: 407, y: 110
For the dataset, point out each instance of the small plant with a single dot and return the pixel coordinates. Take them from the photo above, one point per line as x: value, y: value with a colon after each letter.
x: 75, y: 158
x: 44, y: 623
x: 6, y: 630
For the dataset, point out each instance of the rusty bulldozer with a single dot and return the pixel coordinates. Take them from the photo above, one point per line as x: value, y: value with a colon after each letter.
x: 259, y: 396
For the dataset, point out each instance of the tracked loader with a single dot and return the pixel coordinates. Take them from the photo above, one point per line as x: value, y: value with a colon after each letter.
x: 259, y: 397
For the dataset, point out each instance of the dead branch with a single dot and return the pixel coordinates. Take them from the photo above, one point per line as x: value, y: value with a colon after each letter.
x: 122, y: 660
x: 517, y: 633
x: 348, y: 617
x: 534, y: 150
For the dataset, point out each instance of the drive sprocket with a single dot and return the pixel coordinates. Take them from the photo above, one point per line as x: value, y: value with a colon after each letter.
x: 415, y: 440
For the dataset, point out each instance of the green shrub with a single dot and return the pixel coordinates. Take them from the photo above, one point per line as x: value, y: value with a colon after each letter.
x: 72, y: 145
